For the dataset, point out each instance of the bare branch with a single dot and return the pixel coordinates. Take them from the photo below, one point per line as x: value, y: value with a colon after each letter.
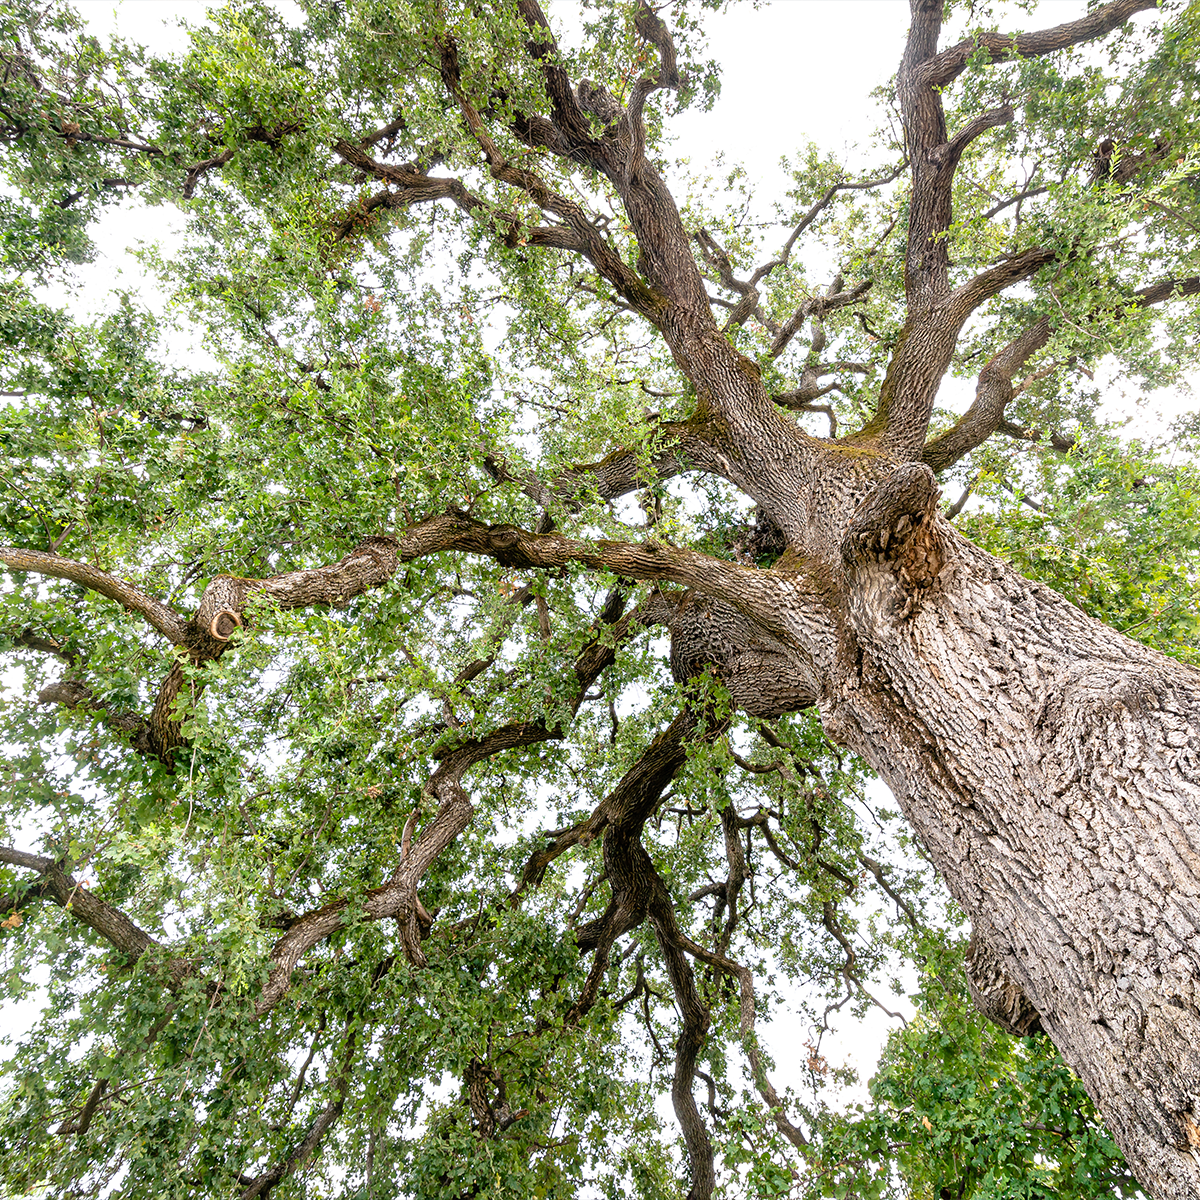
x: 815, y: 211
x: 816, y: 307
x: 997, y: 209
x: 993, y: 392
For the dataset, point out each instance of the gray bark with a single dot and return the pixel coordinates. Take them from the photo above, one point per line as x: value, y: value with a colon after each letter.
x: 1052, y: 770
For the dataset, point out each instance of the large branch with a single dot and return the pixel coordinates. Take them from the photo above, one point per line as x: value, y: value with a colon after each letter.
x: 1168, y: 289
x: 993, y: 392
x: 756, y: 593
x: 87, y: 908
x: 924, y: 73
x: 927, y: 260
x: 935, y: 313
x: 623, y: 816
x: 374, y: 561
x: 169, y: 623
x: 949, y: 64
x: 950, y: 152
x: 665, y: 258
x: 994, y: 389
x: 967, y: 297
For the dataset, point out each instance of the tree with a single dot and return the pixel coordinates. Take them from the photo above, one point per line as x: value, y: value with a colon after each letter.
x: 378, y: 850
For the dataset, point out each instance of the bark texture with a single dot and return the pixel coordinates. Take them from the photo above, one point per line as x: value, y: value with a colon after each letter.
x: 1052, y: 769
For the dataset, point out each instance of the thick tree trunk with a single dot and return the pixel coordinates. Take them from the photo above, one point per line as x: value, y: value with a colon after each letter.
x: 1051, y: 768
x: 1050, y: 765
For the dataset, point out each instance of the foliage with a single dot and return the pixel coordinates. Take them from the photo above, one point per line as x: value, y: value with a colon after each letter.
x: 960, y: 1109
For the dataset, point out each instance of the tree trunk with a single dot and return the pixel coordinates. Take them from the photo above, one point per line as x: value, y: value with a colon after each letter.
x: 1051, y: 768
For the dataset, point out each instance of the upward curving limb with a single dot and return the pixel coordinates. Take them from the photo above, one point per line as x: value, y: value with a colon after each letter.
x: 943, y: 68
x: 993, y: 392
x: 665, y: 260
x: 994, y: 389
x: 967, y: 297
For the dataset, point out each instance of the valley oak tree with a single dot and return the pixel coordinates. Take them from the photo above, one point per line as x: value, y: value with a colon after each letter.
x: 441, y: 710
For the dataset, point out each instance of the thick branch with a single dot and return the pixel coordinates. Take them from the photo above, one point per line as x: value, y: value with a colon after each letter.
x: 993, y: 392
x: 165, y: 620
x: 375, y: 560
x: 949, y: 64
x: 967, y: 297
x: 1168, y: 289
x: 665, y: 259
x: 949, y: 153
x: 87, y: 908
x: 591, y: 242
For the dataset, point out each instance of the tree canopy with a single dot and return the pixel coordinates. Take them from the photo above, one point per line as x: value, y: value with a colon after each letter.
x: 426, y: 759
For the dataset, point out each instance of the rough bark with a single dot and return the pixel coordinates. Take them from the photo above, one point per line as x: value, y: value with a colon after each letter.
x: 1052, y: 770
